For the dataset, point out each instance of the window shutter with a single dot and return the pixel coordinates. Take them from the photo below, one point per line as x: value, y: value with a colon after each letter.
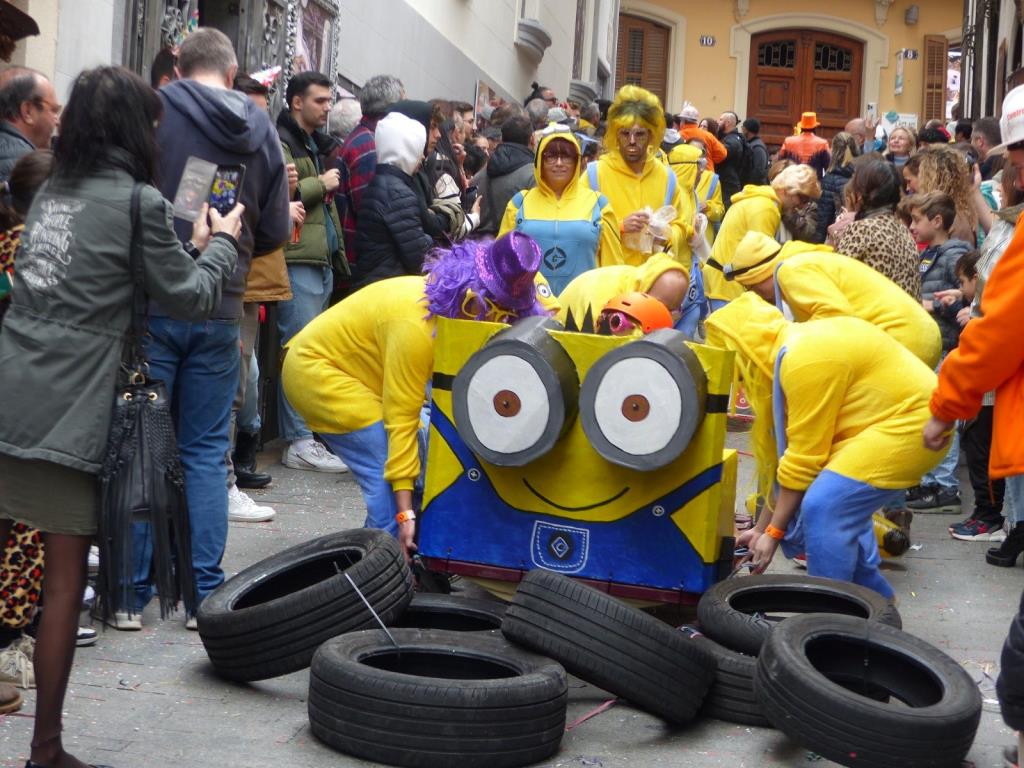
x: 935, y: 66
x: 642, y: 55
x: 656, y: 61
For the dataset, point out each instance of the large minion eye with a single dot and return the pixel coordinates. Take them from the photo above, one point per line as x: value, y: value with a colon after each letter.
x: 642, y: 403
x: 516, y: 397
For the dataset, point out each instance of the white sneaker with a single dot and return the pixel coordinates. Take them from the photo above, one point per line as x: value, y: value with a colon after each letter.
x: 16, y: 667
x: 242, y: 509
x: 94, y: 559
x: 192, y: 624
x: 27, y: 645
x: 312, y: 455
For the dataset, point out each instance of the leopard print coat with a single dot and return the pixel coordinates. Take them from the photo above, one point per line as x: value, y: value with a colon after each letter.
x: 883, y: 242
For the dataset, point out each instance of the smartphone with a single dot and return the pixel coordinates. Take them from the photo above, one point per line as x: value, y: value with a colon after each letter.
x: 194, y: 188
x: 227, y: 188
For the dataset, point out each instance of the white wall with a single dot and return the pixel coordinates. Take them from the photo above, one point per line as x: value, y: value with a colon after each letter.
x: 85, y: 35
x: 439, y: 48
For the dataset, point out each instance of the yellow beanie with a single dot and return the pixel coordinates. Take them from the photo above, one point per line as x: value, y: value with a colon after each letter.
x: 754, y: 259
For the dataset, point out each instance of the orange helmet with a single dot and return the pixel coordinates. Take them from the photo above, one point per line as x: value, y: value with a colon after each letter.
x: 645, y: 311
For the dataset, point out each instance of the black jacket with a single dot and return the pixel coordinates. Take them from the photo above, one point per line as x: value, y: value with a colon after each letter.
x: 1010, y: 687
x: 760, y: 159
x: 390, y: 240
x: 509, y: 170
x: 730, y: 170
x: 831, y: 201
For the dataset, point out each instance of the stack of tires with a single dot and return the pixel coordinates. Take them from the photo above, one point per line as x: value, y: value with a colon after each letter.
x: 827, y: 663
x: 444, y: 687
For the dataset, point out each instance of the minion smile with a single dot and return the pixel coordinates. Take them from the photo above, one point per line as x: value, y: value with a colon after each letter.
x: 546, y: 500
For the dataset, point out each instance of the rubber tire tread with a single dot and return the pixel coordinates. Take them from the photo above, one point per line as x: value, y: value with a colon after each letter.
x: 746, y: 633
x: 428, y: 610
x: 854, y: 730
x: 610, y: 644
x: 732, y: 696
x: 281, y: 635
x: 425, y: 722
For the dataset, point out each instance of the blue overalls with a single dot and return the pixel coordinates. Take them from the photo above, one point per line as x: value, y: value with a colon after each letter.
x: 569, y: 247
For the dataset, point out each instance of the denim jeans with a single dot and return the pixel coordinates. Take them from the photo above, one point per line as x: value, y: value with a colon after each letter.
x: 311, y: 291
x: 1013, y: 501
x: 835, y: 529
x: 944, y: 475
x: 199, y: 364
x: 365, y: 451
x: 249, y: 413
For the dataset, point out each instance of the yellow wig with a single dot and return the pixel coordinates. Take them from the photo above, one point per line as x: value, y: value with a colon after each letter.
x: 634, y: 105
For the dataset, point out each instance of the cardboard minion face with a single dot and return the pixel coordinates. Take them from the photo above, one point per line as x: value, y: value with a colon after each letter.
x: 599, y: 457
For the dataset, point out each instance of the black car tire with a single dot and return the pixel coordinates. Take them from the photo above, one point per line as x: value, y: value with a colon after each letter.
x: 451, y: 613
x: 610, y: 644
x: 731, y: 697
x: 437, y: 700
x: 732, y: 612
x: 819, y: 678
x: 270, y: 618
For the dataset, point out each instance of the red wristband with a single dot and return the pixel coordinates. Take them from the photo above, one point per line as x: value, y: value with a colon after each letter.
x: 776, y: 533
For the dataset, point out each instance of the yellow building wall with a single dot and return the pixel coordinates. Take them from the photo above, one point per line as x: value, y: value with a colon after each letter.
x: 708, y: 76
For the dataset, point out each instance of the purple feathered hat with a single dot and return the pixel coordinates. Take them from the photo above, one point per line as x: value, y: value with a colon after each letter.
x: 501, y: 271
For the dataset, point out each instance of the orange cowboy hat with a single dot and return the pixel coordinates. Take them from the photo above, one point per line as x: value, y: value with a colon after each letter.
x: 808, y: 121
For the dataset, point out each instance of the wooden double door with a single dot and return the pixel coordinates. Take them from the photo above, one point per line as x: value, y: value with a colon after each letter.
x: 801, y: 70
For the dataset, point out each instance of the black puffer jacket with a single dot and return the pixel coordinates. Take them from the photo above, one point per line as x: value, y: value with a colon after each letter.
x: 390, y: 239
x: 831, y: 201
x: 938, y: 273
x: 1010, y: 687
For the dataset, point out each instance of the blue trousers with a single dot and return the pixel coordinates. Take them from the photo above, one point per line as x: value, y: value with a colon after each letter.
x: 944, y: 475
x: 834, y: 528
x: 1013, y: 501
x: 365, y: 451
x: 311, y: 292
x: 199, y: 364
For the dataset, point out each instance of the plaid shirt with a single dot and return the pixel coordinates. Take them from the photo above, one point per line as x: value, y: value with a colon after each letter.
x: 356, y: 159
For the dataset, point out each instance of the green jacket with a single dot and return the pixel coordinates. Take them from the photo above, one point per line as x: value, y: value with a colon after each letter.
x: 312, y: 247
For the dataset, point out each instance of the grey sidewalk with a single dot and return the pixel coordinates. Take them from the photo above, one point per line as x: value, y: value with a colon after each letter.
x: 150, y: 700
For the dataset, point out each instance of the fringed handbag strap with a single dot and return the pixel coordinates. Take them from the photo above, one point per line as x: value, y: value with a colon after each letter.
x: 140, y: 319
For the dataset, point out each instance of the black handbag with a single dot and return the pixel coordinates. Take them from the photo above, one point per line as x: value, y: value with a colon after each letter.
x: 141, y: 478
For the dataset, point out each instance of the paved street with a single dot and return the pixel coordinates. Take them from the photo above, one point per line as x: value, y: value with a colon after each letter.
x: 150, y: 699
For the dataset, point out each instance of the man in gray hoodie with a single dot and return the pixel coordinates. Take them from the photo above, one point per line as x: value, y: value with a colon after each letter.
x: 199, y: 362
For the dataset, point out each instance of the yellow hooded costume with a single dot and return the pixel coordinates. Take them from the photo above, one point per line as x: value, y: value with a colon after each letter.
x: 655, y: 186
x: 815, y: 282
x: 709, y: 191
x: 683, y: 160
x: 576, y: 230
x: 754, y: 208
x: 584, y: 298
x: 854, y: 401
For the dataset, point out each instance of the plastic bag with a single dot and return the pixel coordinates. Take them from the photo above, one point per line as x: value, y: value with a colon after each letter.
x: 657, y: 232
x: 699, y: 243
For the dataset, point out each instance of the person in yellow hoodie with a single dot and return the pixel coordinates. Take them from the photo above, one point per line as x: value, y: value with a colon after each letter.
x: 808, y: 282
x: 633, y: 179
x: 843, y: 394
x: 358, y: 373
x: 758, y: 209
x: 709, y: 193
x: 574, y: 225
x: 581, y: 302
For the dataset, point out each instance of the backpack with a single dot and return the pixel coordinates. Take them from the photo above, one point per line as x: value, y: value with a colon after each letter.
x: 748, y: 163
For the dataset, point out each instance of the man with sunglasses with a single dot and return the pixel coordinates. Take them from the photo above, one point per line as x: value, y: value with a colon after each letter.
x: 29, y: 114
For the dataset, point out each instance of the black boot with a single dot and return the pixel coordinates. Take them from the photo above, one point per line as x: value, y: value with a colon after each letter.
x: 244, y: 459
x: 1005, y: 555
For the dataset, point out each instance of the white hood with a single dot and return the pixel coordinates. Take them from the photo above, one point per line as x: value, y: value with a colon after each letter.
x: 400, y: 141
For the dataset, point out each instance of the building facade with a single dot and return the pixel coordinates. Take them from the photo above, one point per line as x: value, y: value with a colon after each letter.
x: 993, y: 60
x: 454, y: 49
x: 774, y: 59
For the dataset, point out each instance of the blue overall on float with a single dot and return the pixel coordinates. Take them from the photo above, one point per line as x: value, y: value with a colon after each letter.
x: 695, y: 307
x: 569, y: 247
x: 469, y: 522
x: 833, y: 525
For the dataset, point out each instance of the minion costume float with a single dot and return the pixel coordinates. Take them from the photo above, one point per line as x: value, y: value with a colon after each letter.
x: 842, y: 394
x: 359, y: 372
x: 596, y: 456
x: 574, y: 226
x: 809, y: 282
x: 632, y: 178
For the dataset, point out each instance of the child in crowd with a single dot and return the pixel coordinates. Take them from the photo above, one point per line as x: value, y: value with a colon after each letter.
x: 931, y: 216
x: 986, y: 521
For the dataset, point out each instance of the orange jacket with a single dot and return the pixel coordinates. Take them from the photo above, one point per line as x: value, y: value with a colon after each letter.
x: 991, y: 356
x: 716, y: 149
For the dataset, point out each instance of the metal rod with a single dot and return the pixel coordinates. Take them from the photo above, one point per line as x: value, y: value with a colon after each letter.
x: 369, y: 608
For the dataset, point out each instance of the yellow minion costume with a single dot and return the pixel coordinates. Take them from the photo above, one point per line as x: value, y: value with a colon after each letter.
x: 754, y: 208
x: 583, y: 299
x: 709, y: 191
x: 576, y: 230
x: 358, y: 373
x: 812, y: 282
x: 683, y: 160
x: 843, y: 394
x: 655, y: 186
